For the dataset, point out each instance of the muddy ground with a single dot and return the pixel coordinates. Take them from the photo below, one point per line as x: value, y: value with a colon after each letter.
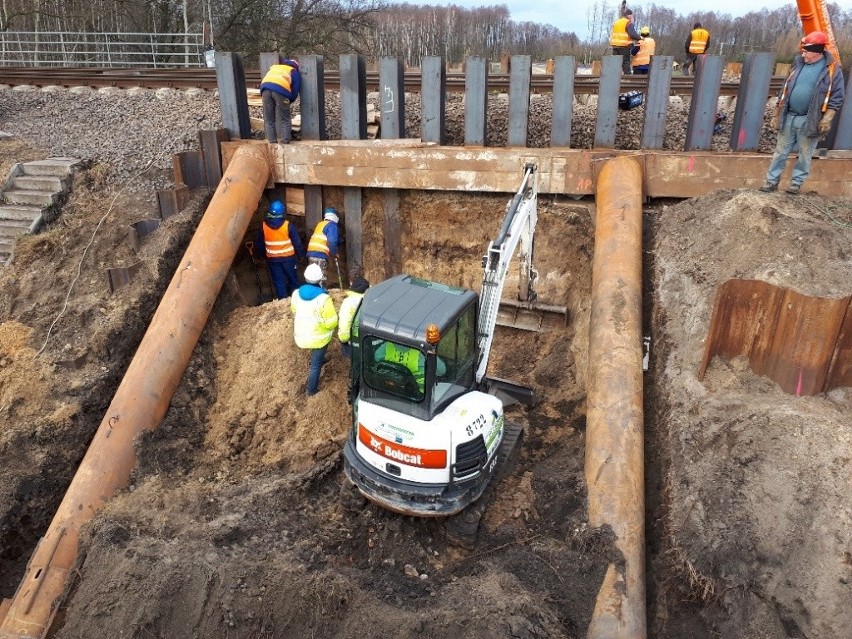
x: 231, y: 525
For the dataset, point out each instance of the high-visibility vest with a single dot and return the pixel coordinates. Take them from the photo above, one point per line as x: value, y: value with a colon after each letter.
x: 315, y: 320
x: 277, y: 241
x: 348, y: 308
x: 647, y: 46
x: 319, y: 242
x: 411, y: 358
x: 698, y: 43
x: 619, y: 37
x: 279, y: 74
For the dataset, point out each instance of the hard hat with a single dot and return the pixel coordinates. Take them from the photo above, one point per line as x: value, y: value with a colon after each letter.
x: 330, y: 214
x: 645, y: 31
x: 313, y: 273
x: 815, y: 42
x: 276, y: 210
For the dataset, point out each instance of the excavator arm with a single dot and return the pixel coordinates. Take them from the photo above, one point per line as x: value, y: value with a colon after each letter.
x: 518, y: 228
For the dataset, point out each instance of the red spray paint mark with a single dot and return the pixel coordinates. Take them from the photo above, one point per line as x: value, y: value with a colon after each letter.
x: 742, y: 136
x: 690, y: 164
x: 799, y: 384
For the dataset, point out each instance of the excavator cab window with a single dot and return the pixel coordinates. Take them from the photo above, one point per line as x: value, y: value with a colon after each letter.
x: 456, y: 360
x: 395, y: 368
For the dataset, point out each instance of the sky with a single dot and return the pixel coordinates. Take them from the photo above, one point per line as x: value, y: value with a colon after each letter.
x: 569, y: 15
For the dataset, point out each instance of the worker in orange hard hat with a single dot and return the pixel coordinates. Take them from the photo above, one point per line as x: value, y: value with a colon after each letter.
x: 698, y: 43
x: 812, y: 95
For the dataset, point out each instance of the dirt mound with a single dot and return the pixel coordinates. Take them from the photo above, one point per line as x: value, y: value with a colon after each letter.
x: 756, y: 480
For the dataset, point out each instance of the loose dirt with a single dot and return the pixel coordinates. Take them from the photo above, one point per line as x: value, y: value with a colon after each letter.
x: 231, y: 525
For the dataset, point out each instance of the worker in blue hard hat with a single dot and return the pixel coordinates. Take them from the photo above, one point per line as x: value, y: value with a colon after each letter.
x: 324, y: 242
x: 279, y: 241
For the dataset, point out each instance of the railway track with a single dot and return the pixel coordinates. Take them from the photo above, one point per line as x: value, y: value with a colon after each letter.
x: 203, y: 78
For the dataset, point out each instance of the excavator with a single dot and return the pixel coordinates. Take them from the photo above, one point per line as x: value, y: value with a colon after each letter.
x: 429, y: 437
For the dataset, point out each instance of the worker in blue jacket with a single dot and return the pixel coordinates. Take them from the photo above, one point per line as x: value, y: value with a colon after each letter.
x: 279, y: 240
x: 324, y: 243
x: 279, y: 87
x: 812, y: 95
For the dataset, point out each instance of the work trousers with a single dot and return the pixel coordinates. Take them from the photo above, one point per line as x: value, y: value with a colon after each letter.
x: 276, y: 117
x: 791, y: 134
x: 624, y: 52
x: 283, y: 276
x: 317, y: 360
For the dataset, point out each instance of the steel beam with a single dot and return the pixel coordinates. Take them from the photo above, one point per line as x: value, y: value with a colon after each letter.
x: 563, y: 101
x: 704, y: 104
x: 608, y: 102
x: 433, y: 99
x: 519, y: 100
x: 751, y: 101
x: 657, y: 101
x: 476, y: 101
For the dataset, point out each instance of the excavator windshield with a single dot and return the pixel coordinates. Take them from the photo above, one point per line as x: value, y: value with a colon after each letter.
x: 409, y: 373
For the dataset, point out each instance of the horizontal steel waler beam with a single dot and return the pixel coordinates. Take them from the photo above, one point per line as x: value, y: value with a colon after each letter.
x: 412, y: 164
x: 206, y: 79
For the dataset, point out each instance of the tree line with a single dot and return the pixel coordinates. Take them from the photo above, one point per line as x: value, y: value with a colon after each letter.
x: 376, y: 28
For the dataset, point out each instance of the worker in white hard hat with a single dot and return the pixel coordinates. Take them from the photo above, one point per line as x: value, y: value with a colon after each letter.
x: 315, y: 319
x: 324, y: 242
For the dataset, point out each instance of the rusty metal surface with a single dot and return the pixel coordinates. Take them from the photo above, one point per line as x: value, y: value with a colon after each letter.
x: 802, y: 342
x: 614, y: 464
x: 143, y: 395
x: 121, y: 276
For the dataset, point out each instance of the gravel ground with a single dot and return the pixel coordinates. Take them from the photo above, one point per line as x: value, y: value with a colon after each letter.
x: 136, y: 131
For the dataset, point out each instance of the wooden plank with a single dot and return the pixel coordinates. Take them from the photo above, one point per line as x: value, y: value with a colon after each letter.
x: 407, y: 164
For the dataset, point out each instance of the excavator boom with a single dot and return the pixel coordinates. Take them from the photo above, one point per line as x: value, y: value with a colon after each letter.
x: 814, y: 17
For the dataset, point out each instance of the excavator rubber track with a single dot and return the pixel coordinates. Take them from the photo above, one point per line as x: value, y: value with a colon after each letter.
x: 461, y: 529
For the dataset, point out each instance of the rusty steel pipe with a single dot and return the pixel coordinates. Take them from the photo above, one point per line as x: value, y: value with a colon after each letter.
x: 144, y: 394
x: 614, y: 466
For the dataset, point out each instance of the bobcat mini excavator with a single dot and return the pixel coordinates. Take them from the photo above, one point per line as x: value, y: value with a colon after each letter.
x: 428, y: 434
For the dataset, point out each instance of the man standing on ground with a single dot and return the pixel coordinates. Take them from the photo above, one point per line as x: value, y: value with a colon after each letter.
x: 622, y: 37
x: 281, y: 243
x: 812, y: 95
x: 324, y: 242
x: 698, y: 43
x: 279, y: 87
x: 642, y: 52
x: 348, y: 308
x: 314, y: 322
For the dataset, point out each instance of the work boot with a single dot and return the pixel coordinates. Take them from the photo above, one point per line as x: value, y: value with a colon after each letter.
x: 770, y: 187
x: 793, y: 189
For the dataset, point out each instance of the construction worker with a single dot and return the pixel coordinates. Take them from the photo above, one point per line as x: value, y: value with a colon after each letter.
x: 314, y: 322
x: 280, y: 241
x: 622, y: 37
x: 324, y: 242
x: 642, y: 51
x: 698, y: 43
x: 810, y: 98
x: 279, y: 87
x: 348, y: 308
x: 413, y: 359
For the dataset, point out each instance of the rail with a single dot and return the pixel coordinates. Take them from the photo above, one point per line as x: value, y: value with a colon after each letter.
x: 203, y: 78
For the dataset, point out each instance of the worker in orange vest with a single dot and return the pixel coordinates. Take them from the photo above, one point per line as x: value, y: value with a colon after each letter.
x: 279, y: 87
x: 698, y: 43
x: 642, y: 52
x: 279, y: 240
x: 622, y: 38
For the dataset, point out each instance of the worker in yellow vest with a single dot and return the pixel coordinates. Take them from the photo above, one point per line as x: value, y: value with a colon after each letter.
x: 314, y: 321
x: 622, y: 38
x: 348, y: 307
x: 279, y: 87
x: 324, y: 241
x: 698, y: 43
x: 642, y: 52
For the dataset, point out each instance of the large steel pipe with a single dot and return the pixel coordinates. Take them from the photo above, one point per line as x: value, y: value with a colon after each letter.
x: 614, y: 448
x: 145, y: 392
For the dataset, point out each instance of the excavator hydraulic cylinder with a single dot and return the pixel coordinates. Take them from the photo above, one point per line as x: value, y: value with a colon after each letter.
x: 614, y: 432
x: 144, y: 394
